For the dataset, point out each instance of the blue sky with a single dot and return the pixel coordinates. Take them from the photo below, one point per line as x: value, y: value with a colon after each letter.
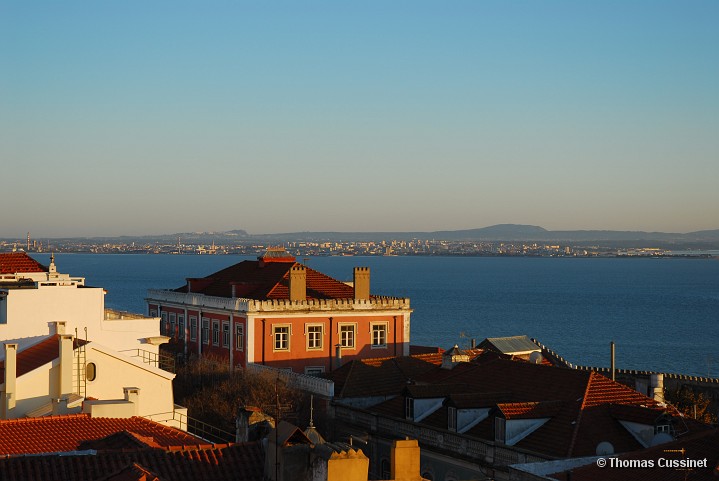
x: 140, y: 117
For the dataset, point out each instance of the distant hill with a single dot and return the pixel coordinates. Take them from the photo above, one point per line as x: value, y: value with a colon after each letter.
x: 494, y: 233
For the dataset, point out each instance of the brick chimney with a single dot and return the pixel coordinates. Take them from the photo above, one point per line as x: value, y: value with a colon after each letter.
x: 298, y: 283
x: 8, y: 396
x: 361, y: 283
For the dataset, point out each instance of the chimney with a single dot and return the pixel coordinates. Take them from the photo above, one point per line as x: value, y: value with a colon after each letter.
x: 66, y: 361
x: 132, y: 394
x: 57, y: 327
x: 405, y: 460
x: 657, y: 387
x: 298, y: 283
x: 8, y: 396
x: 338, y: 356
x: 361, y: 283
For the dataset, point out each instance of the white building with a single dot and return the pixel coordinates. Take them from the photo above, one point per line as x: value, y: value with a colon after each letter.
x: 64, y: 352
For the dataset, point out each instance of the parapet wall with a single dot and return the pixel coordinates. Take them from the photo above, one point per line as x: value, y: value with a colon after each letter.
x: 278, y: 305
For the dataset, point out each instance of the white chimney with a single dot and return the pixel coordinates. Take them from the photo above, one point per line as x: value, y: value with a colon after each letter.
x: 66, y: 361
x: 132, y: 394
x: 57, y: 327
x: 8, y: 396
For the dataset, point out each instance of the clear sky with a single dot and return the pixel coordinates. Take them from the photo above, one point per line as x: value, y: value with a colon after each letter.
x: 140, y: 117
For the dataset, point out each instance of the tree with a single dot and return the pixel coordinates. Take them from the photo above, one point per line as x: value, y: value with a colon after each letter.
x: 693, y: 404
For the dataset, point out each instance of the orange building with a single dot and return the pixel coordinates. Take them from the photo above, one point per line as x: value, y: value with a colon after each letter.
x: 278, y: 312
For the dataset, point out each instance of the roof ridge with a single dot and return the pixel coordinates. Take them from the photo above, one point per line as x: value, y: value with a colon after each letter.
x: 578, y: 422
x: 352, y: 365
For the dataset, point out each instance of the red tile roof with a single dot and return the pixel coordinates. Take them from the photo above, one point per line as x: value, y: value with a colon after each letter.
x: 581, y: 404
x: 266, y: 280
x: 38, y: 355
x: 19, y: 262
x: 53, y: 434
x: 532, y: 410
x: 239, y: 462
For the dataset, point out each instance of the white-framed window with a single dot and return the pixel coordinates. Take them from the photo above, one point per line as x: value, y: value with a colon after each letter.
x: 409, y: 408
x: 314, y: 336
x: 181, y: 326
x: 215, y: 333
x: 379, y: 334
x: 239, y: 337
x: 281, y: 336
x: 226, y: 334
x: 314, y: 370
x: 500, y: 429
x: 205, y: 330
x: 163, y: 324
x: 347, y: 335
x: 173, y: 318
x: 193, y: 328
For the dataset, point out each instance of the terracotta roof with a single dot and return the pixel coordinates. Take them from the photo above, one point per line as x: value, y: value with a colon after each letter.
x: 267, y: 280
x: 581, y: 404
x: 533, y: 410
x: 18, y: 262
x: 695, y: 447
x: 53, y: 434
x: 38, y: 355
x: 239, y: 462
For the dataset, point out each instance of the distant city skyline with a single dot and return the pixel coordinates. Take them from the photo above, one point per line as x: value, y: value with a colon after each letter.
x: 137, y: 118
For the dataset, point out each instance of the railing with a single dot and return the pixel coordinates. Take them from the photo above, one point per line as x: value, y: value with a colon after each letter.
x: 194, y: 426
x: 483, y: 452
x: 303, y: 382
x: 162, y: 361
x: 115, y: 315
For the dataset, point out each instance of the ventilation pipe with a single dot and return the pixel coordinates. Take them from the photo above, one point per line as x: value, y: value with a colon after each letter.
x: 611, y: 365
x: 338, y: 356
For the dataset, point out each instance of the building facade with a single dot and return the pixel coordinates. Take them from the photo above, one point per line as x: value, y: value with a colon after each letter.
x: 278, y: 312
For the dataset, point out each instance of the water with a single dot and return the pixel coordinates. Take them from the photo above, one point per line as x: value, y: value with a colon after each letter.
x: 662, y: 313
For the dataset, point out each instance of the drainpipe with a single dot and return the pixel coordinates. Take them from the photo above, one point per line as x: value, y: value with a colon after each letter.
x: 395, y: 335
x: 231, y: 344
x: 330, y: 347
x: 263, y: 342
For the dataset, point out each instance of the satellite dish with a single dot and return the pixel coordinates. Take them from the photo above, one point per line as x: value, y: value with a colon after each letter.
x: 605, y: 448
x: 661, y: 438
x: 535, y: 357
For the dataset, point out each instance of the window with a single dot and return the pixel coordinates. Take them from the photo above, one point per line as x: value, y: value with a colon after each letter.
x: 163, y: 324
x: 314, y: 370
x: 226, y: 334
x: 215, y: 333
x: 181, y: 326
x: 379, y: 335
x: 173, y: 318
x: 153, y: 313
x: 347, y: 335
x: 314, y: 337
x: 452, y: 418
x: 90, y: 371
x: 282, y: 337
x: 499, y: 429
x: 409, y: 408
x: 205, y: 330
x: 239, y: 337
x: 193, y: 328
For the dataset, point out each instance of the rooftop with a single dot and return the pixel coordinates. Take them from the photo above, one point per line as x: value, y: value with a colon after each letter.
x: 19, y: 262
x: 67, y: 433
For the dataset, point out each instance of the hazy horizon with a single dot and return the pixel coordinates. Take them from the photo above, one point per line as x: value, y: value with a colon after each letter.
x: 142, y: 118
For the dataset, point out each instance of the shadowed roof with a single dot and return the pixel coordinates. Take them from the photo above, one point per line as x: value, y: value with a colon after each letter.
x: 239, y: 462
x: 38, y: 355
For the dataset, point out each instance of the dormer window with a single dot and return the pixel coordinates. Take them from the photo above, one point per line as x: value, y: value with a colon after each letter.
x: 500, y: 429
x: 409, y: 408
x: 452, y: 419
